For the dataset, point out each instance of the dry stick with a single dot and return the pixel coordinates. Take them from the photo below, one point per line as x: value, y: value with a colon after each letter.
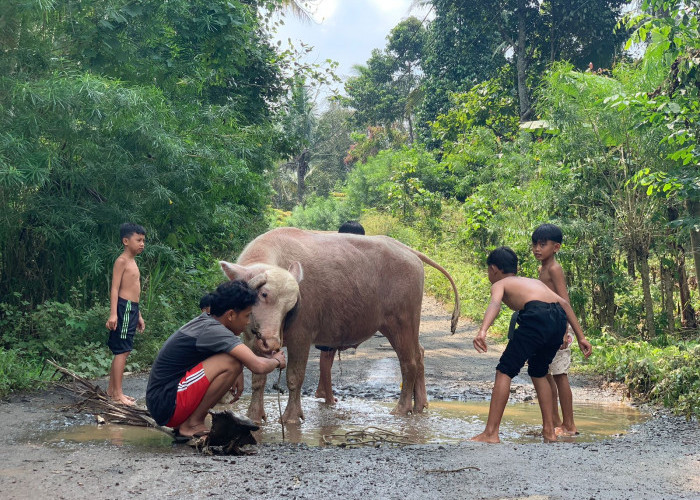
x: 373, y: 436
x: 95, y: 399
x: 279, y: 379
x: 452, y: 470
x: 279, y: 403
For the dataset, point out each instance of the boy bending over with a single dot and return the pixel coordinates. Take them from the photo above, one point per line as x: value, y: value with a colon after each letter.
x: 542, y: 322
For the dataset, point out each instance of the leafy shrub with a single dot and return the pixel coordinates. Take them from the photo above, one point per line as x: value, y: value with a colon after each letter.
x: 668, y: 375
x: 17, y: 371
x: 323, y: 214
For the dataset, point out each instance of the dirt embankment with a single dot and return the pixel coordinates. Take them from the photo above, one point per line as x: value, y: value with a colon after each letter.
x: 657, y: 459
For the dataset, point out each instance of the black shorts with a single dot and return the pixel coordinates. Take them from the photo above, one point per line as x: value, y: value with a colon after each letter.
x: 324, y: 348
x: 121, y: 339
x: 540, y: 332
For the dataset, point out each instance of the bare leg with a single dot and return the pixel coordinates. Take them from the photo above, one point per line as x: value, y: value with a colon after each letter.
x: 116, y: 375
x: 222, y: 371
x: 325, y: 383
x: 499, y: 399
x: 544, y: 396
x: 555, y: 400
x: 566, y: 398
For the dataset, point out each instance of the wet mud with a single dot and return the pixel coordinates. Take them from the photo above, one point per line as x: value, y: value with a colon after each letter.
x: 623, y: 451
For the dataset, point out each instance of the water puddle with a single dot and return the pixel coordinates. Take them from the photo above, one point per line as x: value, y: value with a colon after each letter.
x: 444, y: 422
x: 144, y: 438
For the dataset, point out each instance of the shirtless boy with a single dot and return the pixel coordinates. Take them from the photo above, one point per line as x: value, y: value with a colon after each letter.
x: 541, y: 325
x: 124, y: 316
x: 546, y: 242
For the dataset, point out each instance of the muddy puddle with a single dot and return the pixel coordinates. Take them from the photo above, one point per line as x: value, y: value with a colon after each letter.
x: 445, y: 422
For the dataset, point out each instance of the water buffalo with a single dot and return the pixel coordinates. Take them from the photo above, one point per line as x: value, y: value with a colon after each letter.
x: 336, y: 290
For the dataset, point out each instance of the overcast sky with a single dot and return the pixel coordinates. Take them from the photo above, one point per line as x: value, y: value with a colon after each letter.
x: 347, y: 30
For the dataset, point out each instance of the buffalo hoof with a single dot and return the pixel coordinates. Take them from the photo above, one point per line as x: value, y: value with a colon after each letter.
x: 420, y: 407
x: 400, y: 410
x: 292, y: 417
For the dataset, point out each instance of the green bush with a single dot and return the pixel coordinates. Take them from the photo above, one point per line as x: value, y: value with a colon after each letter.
x: 323, y: 214
x: 667, y: 375
x: 17, y: 371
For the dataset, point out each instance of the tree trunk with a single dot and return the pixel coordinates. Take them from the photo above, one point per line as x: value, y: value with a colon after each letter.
x: 667, y: 290
x: 687, y: 310
x: 607, y: 291
x: 302, y: 169
x: 521, y: 61
x: 694, y: 211
x: 643, y: 261
x: 630, y: 264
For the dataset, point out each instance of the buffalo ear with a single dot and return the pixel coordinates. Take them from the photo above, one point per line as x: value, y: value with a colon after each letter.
x: 233, y: 271
x: 296, y: 271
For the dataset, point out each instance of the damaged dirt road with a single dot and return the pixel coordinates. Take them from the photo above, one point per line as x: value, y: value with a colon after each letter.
x: 659, y: 458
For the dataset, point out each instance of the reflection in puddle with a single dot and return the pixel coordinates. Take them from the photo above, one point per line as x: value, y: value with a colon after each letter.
x: 119, y: 435
x: 444, y: 422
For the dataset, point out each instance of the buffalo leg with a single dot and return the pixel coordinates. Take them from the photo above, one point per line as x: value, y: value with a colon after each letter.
x: 420, y: 393
x: 256, y: 410
x: 297, y: 356
x: 404, y: 340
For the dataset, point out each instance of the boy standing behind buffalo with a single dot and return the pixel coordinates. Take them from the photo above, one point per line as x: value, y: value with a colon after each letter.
x: 542, y: 322
x: 124, y: 315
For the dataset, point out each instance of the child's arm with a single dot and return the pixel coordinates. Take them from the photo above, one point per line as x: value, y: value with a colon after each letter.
x: 117, y: 273
x: 492, y: 311
x: 583, y: 344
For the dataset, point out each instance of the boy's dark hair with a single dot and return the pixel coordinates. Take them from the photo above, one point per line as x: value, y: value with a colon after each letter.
x: 547, y: 232
x: 129, y: 228
x: 206, y: 300
x: 504, y: 259
x: 351, y: 226
x: 236, y: 295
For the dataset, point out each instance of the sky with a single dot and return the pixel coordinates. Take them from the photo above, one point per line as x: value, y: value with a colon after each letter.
x: 347, y: 30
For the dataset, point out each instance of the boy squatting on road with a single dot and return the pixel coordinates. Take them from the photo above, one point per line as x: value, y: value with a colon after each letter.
x: 204, y: 360
x: 541, y: 326
x: 546, y: 242
x: 325, y: 384
x: 124, y: 316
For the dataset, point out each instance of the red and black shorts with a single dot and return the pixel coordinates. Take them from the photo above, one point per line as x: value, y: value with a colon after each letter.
x: 190, y: 392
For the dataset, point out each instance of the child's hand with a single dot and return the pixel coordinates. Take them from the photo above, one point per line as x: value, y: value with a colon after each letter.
x: 237, y: 388
x: 585, y: 347
x: 141, y: 326
x: 111, y: 322
x: 480, y: 342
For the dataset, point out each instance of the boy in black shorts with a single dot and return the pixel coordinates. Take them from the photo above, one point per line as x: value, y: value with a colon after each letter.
x: 124, y: 316
x: 542, y: 322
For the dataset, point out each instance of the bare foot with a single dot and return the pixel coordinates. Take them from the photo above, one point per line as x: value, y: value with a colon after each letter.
x: 549, y: 438
x: 486, y: 438
x: 133, y: 400
x: 196, y: 431
x: 320, y: 393
x: 124, y: 400
x: 565, y: 431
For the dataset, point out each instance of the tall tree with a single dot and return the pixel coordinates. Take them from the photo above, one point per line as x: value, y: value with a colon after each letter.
x: 527, y: 34
x: 385, y: 91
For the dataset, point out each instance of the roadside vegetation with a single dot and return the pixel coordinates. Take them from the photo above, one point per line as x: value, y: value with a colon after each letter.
x: 451, y: 162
